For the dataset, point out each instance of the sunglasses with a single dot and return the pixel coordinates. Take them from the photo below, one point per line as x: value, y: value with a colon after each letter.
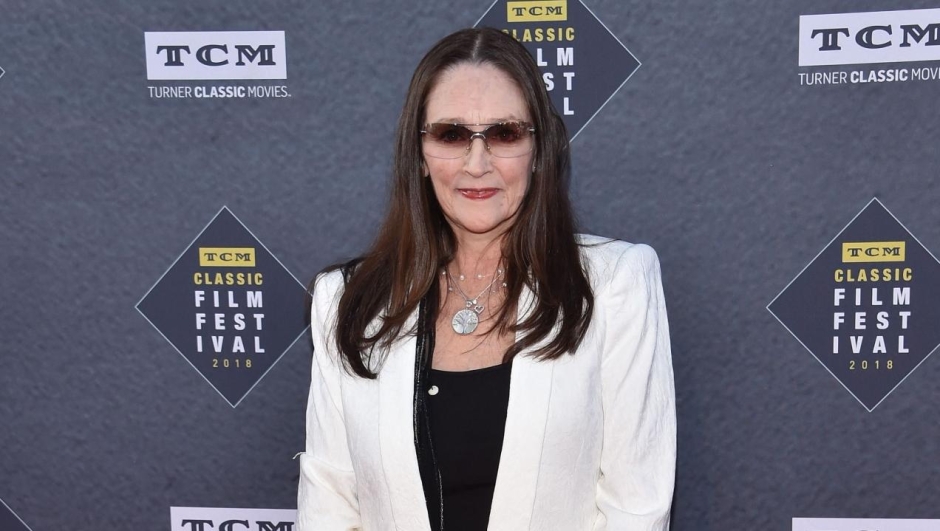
x: 452, y: 141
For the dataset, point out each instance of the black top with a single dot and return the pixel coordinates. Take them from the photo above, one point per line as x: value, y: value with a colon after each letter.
x: 467, y: 413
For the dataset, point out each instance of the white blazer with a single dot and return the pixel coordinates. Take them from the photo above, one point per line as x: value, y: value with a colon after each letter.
x: 590, y: 438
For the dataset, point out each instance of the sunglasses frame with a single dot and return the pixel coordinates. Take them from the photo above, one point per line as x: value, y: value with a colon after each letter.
x: 525, y: 126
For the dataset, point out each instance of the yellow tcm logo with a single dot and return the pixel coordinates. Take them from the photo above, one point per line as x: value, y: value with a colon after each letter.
x: 873, y: 252
x: 227, y: 257
x: 537, y: 11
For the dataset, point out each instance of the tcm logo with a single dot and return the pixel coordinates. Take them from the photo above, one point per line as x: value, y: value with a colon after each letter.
x: 873, y: 251
x: 221, y: 519
x: 215, y: 55
x: 537, y: 11
x: 864, y: 524
x: 227, y: 257
x: 237, y: 525
x: 878, y: 37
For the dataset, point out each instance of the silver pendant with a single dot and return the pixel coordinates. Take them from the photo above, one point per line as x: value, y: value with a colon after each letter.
x: 465, y: 321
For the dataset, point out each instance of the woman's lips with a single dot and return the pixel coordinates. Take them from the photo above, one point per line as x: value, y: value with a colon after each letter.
x: 478, y: 193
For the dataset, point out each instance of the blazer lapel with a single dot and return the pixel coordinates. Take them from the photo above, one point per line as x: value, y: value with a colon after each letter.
x: 530, y: 390
x: 396, y: 433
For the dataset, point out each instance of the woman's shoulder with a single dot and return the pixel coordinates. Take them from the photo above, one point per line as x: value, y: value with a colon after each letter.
x: 607, y: 259
x: 329, y: 283
x: 598, y: 249
x: 327, y: 287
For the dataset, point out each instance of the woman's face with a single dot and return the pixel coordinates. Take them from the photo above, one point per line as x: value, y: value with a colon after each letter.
x: 479, y: 193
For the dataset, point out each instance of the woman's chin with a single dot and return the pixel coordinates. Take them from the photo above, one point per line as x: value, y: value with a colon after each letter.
x: 481, y: 228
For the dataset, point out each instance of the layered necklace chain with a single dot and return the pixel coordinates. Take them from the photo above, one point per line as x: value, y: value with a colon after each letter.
x: 466, y: 319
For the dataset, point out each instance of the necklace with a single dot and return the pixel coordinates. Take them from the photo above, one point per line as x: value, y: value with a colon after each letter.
x: 466, y: 319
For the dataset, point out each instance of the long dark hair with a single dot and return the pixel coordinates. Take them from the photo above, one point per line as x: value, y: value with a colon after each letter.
x: 414, y: 242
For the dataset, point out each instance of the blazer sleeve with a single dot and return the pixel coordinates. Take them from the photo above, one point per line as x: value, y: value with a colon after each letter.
x: 326, y: 495
x: 638, y: 457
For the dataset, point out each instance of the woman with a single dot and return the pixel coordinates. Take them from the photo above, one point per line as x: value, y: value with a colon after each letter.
x: 482, y: 367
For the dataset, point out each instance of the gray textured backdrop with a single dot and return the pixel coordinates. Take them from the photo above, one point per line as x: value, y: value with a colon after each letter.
x: 712, y: 153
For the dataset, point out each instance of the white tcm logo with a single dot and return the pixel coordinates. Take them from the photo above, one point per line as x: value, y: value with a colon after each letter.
x: 174, y: 55
x: 864, y: 38
x: 226, y: 519
x: 864, y: 524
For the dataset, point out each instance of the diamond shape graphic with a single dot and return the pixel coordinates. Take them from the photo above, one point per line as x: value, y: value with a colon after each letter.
x: 867, y: 306
x: 9, y: 521
x: 2, y: 71
x: 583, y: 63
x: 228, y: 306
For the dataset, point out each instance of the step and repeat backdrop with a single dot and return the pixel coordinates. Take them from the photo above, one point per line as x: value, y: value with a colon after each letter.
x: 172, y: 174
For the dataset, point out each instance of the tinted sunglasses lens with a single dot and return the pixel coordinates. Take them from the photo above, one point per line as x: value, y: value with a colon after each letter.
x: 446, y: 140
x: 508, y: 139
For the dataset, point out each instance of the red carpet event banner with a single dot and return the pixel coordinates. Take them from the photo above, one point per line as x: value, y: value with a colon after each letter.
x: 228, y: 306
x: 174, y: 175
x: 866, y: 306
x: 583, y: 63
